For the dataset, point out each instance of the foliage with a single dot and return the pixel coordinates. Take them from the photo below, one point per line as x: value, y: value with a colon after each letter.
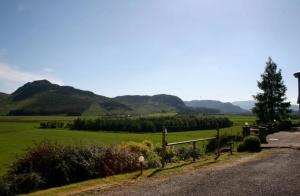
x: 284, y: 125
x: 49, y: 164
x: 172, y: 123
x: 186, y: 153
x: 146, y: 149
x: 270, y: 103
x: 241, y: 147
x: 251, y: 143
x: 52, y: 125
x: 224, y: 141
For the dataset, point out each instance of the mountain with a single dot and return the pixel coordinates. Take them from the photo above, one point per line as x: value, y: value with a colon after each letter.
x: 151, y: 104
x: 226, y: 108
x: 295, y: 108
x: 44, y: 98
x: 248, y: 105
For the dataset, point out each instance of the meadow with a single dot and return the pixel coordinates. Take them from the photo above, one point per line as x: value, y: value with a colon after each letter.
x: 20, y: 132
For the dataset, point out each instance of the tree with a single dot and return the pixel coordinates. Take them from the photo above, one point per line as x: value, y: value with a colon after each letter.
x: 270, y: 103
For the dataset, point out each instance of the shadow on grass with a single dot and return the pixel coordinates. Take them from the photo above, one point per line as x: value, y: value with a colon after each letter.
x: 169, y: 168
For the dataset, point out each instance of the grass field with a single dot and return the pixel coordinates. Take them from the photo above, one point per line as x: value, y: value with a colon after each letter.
x: 18, y: 133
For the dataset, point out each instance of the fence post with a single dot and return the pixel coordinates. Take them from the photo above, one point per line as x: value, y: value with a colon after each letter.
x: 194, y: 151
x: 246, y: 130
x: 218, y: 141
x: 163, y: 153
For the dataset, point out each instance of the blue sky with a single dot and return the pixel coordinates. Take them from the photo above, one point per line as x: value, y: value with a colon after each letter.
x: 193, y: 49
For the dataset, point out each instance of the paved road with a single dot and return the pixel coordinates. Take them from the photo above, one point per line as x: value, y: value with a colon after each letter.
x: 275, y: 173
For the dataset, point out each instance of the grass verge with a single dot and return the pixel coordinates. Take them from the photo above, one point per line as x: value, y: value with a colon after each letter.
x: 169, y: 171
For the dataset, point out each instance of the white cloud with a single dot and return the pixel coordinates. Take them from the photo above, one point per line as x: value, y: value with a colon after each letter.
x: 11, y: 74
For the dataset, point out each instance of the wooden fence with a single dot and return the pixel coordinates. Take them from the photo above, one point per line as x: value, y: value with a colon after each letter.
x: 165, y: 144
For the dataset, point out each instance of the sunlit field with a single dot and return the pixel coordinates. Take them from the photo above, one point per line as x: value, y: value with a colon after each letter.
x: 18, y: 133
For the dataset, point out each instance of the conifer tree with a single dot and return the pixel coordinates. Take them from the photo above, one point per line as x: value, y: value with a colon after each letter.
x: 271, y: 102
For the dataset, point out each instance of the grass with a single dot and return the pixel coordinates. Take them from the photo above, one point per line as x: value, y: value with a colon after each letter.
x: 19, y: 133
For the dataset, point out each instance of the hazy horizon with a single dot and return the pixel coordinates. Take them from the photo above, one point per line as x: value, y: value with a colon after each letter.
x: 196, y: 50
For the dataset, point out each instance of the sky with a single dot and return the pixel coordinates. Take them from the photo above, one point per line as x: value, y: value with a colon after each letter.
x: 195, y: 49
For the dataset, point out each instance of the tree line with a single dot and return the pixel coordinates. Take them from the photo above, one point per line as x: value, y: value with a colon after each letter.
x: 172, y: 123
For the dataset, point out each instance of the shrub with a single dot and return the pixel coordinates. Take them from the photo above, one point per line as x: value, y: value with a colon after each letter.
x: 252, y: 143
x: 24, y: 183
x: 170, y: 156
x: 146, y: 148
x: 284, y: 125
x: 224, y: 140
x: 51, y: 125
x: 241, y: 147
x: 5, y: 188
x: 50, y: 164
x: 185, y: 153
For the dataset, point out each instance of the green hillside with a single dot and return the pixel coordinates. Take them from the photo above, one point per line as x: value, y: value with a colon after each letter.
x: 44, y: 98
x: 152, y: 104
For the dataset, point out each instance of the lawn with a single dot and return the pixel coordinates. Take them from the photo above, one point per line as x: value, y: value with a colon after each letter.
x: 18, y: 133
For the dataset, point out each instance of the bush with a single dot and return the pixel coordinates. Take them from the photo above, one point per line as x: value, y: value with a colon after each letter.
x: 224, y: 140
x: 50, y: 164
x: 24, y: 183
x: 146, y: 148
x: 5, y: 188
x: 252, y: 143
x: 284, y: 125
x: 170, y: 156
x: 241, y: 147
x: 51, y: 125
x: 186, y: 153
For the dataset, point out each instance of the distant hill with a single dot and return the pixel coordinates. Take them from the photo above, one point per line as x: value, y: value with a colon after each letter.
x: 151, y: 104
x: 226, y: 108
x: 248, y: 105
x: 44, y: 98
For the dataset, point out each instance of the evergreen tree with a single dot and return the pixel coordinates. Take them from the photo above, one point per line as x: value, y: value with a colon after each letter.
x: 270, y: 103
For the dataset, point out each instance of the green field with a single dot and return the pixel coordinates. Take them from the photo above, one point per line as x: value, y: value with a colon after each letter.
x: 18, y: 133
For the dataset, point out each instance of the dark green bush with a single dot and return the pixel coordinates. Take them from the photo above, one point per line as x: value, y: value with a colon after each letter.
x: 24, y: 183
x: 5, y: 188
x: 252, y: 143
x: 241, y: 147
x: 51, y: 125
x: 284, y: 125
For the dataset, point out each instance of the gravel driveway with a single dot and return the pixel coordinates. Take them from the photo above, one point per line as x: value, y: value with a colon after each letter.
x: 278, y: 173
x: 283, y: 139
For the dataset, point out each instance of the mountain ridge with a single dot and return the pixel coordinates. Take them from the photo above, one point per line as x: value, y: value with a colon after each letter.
x: 224, y: 107
x: 44, y: 98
